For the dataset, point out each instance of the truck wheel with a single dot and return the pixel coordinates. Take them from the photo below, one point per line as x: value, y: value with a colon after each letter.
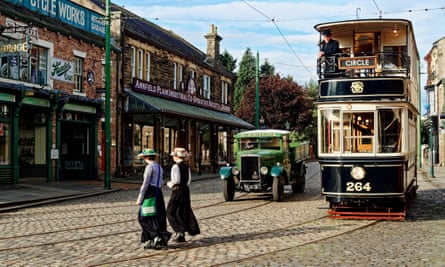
x: 228, y: 189
x: 277, y: 188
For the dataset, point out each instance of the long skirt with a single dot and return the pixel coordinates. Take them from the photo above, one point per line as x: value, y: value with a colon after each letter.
x: 153, y: 226
x: 179, y: 211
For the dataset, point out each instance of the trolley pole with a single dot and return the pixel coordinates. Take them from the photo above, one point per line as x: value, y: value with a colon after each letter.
x: 107, y: 183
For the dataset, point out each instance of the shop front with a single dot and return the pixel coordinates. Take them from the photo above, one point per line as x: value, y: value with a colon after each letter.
x: 158, y: 120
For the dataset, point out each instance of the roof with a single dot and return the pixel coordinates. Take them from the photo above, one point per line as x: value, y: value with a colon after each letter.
x: 263, y: 133
x: 145, y: 104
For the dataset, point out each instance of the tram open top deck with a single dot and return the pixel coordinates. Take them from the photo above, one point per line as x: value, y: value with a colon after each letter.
x: 372, y: 49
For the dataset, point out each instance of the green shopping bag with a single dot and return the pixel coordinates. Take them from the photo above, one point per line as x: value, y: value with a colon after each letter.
x: 148, y: 207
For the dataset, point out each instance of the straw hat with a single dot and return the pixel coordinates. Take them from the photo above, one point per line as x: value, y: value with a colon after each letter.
x: 147, y: 153
x: 179, y: 152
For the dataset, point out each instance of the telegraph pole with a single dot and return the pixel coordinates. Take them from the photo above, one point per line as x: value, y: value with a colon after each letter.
x: 107, y: 183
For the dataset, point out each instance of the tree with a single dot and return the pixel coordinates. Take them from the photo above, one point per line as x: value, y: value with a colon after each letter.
x: 267, y: 69
x: 281, y: 101
x: 246, y: 74
x: 227, y: 61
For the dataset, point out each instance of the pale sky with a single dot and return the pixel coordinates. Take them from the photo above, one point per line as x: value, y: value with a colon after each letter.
x: 283, y: 31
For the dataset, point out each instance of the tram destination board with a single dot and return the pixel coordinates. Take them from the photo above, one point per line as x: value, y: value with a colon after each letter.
x: 357, y: 63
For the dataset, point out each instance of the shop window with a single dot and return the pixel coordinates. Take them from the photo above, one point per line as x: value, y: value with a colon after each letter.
x: 30, y: 67
x: 78, y: 70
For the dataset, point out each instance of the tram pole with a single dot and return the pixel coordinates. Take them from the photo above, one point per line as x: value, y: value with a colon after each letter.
x: 431, y: 153
x: 107, y: 183
x: 257, y: 92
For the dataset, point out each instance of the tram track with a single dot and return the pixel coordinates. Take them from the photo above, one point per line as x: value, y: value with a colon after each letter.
x: 108, y: 223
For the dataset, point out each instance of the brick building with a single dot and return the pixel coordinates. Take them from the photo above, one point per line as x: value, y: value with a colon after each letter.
x: 51, y: 85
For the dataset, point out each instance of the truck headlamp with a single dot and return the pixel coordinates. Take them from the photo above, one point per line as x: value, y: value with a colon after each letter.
x: 264, y: 170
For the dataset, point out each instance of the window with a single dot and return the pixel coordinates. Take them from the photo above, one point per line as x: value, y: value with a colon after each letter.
x: 133, y: 62
x: 224, y: 92
x: 347, y: 132
x: 364, y: 44
x: 394, y: 57
x: 78, y: 70
x: 32, y: 68
x: 140, y: 64
x: 177, y: 76
x: 206, y: 87
x: 147, y: 66
x: 390, y: 130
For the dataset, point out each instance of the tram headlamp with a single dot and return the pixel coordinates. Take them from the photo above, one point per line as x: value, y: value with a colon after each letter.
x: 264, y: 170
x: 235, y: 171
x: 358, y: 173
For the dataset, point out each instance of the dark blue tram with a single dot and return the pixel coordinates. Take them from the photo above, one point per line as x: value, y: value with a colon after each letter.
x: 368, y: 118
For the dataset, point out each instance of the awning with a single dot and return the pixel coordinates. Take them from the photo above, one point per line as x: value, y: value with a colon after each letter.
x: 142, y: 103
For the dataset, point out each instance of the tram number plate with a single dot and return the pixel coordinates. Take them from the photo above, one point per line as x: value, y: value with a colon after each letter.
x: 358, y: 187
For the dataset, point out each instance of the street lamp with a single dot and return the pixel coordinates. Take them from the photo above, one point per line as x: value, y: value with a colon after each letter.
x: 287, y: 124
x: 261, y: 122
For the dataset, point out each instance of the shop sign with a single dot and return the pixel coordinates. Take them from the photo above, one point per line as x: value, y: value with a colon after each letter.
x: 68, y: 12
x: 188, y: 98
x: 62, y: 70
x: 13, y: 47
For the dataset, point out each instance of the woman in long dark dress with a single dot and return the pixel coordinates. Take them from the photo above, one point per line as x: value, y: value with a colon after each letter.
x: 154, y: 228
x: 179, y: 209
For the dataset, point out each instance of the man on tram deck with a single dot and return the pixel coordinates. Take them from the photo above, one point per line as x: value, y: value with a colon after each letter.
x: 328, y: 46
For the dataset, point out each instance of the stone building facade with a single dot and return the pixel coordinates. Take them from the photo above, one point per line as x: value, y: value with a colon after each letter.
x: 435, y: 92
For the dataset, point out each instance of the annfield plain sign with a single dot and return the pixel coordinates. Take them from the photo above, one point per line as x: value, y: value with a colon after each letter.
x: 156, y: 90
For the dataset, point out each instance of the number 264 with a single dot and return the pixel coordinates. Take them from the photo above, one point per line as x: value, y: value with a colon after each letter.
x: 358, y: 187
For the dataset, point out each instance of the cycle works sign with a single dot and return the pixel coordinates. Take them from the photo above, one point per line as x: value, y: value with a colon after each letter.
x: 68, y: 12
x: 62, y: 70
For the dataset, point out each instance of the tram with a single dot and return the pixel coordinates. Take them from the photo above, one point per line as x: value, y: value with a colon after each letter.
x: 368, y: 118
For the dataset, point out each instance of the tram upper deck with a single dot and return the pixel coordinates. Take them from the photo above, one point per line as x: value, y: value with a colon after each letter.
x: 372, y: 47
x: 372, y: 50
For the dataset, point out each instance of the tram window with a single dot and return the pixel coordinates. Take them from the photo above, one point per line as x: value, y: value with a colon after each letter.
x: 389, y: 130
x: 360, y: 137
x: 330, y: 131
x: 394, y: 57
x: 364, y: 44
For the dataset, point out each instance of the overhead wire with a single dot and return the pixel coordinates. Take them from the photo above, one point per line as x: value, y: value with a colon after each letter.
x: 282, y: 35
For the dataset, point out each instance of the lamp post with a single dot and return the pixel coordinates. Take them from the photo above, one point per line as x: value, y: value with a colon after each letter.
x: 107, y: 183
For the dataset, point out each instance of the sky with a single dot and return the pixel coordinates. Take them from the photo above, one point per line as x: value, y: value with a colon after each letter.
x: 282, y: 32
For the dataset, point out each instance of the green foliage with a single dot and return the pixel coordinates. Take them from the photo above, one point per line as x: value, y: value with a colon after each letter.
x: 227, y: 61
x: 246, y: 73
x: 281, y: 101
x: 267, y: 69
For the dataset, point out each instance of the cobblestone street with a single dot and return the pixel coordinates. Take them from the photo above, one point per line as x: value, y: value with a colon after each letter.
x: 102, y: 230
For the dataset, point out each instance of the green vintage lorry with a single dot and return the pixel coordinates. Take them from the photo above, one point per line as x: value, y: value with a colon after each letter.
x: 266, y: 161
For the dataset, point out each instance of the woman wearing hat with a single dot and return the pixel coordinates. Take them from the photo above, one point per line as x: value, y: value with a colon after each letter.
x: 179, y: 209
x: 154, y: 228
